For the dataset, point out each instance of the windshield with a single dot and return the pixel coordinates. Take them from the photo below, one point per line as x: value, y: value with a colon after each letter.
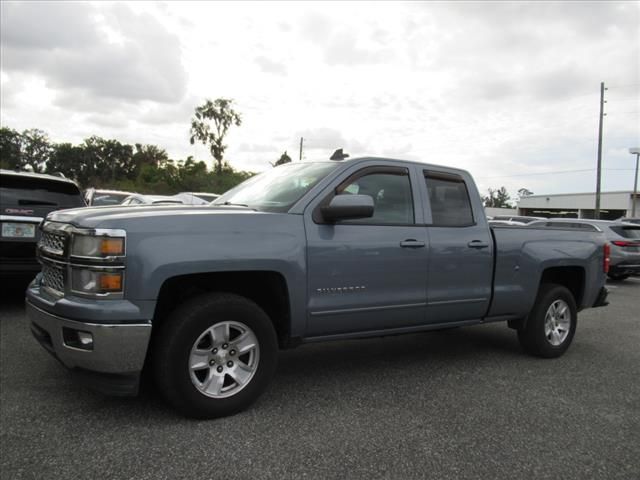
x: 278, y: 189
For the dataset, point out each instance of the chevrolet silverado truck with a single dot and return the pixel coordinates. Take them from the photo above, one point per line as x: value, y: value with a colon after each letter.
x: 202, y: 298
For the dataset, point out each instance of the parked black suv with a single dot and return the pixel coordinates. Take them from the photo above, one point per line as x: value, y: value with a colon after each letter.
x: 25, y: 199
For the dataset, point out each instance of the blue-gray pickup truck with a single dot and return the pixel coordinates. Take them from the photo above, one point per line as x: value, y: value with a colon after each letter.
x: 202, y: 298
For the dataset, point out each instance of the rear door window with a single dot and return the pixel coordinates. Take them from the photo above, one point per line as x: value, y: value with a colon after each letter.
x: 449, y: 199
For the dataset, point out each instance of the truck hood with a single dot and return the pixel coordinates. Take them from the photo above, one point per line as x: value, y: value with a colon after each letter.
x: 121, y: 217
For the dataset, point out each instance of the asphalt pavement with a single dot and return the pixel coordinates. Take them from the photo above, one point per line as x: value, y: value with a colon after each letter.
x: 463, y: 403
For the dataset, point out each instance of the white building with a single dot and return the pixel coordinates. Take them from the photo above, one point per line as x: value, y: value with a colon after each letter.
x: 613, y: 205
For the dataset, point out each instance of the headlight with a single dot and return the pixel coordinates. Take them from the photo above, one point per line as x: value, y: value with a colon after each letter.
x: 97, y: 246
x: 96, y: 282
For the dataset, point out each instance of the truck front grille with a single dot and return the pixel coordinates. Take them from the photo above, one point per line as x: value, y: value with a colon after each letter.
x: 53, y: 278
x: 53, y: 242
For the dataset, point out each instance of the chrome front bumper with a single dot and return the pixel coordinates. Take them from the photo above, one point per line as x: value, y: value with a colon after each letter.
x: 115, y: 360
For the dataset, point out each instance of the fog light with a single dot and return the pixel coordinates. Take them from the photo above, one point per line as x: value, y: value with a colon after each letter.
x: 77, y: 338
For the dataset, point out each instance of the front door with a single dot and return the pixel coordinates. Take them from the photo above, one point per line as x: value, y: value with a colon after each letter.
x: 368, y: 274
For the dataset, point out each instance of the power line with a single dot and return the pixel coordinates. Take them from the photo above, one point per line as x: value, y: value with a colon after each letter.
x: 542, y: 173
x: 557, y: 172
x: 628, y: 85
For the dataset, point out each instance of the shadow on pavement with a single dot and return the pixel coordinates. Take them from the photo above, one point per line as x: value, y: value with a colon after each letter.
x: 13, y: 289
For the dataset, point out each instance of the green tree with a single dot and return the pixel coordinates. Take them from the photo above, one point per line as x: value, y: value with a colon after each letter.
x: 210, y: 125
x: 10, y: 149
x: 35, y: 149
x: 499, y: 198
x: 67, y: 159
x: 284, y: 158
x: 149, y: 155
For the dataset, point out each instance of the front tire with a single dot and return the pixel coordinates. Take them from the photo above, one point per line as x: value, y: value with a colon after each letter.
x: 551, y: 324
x: 215, y: 355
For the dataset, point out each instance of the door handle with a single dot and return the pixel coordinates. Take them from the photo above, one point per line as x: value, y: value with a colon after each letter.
x: 477, y: 244
x: 412, y: 243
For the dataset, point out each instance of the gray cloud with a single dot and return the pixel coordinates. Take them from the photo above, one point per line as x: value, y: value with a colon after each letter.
x: 69, y: 45
x: 269, y: 66
x: 344, y: 50
x: 316, y: 27
x: 257, y: 148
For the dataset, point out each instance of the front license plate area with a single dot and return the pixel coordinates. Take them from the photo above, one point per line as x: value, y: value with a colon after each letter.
x: 18, y: 230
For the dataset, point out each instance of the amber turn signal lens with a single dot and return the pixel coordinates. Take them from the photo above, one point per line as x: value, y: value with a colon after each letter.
x: 110, y: 282
x: 112, y: 246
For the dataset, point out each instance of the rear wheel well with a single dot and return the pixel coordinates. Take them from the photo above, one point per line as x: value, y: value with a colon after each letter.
x: 266, y: 288
x: 570, y: 277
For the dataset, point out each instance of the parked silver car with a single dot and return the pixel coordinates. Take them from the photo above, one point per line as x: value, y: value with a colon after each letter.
x: 101, y: 197
x: 624, y: 240
x: 197, y: 198
x: 517, y: 218
x: 138, y: 199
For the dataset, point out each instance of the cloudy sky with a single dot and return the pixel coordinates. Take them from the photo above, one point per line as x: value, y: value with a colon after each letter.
x: 507, y: 90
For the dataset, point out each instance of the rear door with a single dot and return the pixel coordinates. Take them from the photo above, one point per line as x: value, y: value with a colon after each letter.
x: 460, y: 268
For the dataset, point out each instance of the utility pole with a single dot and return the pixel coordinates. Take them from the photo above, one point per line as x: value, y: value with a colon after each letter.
x: 599, y: 169
x: 301, y: 140
x: 636, y: 152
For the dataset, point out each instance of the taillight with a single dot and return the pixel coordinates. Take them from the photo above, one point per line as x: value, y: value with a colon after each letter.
x: 607, y: 258
x: 622, y: 243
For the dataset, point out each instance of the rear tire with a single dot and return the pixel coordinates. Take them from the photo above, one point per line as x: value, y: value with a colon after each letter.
x: 551, y: 325
x: 618, y: 276
x: 214, y: 355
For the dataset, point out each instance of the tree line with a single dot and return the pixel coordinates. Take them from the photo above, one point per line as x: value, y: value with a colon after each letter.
x: 108, y: 163
x: 500, y: 198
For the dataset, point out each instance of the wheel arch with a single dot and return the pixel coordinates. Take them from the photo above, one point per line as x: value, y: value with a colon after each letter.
x: 268, y: 289
x: 570, y: 277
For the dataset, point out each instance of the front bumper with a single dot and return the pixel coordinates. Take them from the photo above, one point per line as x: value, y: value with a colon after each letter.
x: 115, y: 361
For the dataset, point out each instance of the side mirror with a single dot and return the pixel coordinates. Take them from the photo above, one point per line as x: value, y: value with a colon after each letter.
x: 344, y: 207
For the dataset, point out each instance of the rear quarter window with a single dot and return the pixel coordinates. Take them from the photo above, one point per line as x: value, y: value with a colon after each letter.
x: 627, y: 232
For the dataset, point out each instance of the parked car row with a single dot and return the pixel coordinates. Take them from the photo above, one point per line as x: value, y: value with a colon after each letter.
x: 27, y: 198
x: 98, y: 198
x: 623, y: 236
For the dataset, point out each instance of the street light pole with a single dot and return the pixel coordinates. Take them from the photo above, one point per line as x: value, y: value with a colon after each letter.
x: 636, y: 152
x: 596, y: 212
